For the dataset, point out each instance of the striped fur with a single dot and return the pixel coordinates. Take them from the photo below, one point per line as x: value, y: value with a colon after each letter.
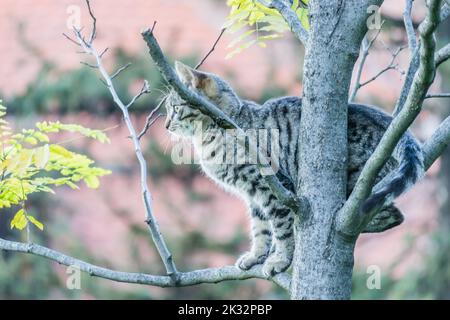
x: 272, y: 223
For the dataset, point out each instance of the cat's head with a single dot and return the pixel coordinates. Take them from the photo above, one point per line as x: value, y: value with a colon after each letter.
x: 182, y: 120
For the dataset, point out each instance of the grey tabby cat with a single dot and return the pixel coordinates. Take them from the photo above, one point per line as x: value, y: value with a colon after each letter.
x: 272, y: 222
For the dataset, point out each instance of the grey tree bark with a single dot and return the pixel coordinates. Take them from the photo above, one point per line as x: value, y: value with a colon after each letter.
x: 323, y: 260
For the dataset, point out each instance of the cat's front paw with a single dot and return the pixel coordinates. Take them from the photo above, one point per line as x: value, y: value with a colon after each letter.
x: 250, y: 259
x: 275, y: 264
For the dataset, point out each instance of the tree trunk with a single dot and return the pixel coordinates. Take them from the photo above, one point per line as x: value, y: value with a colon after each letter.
x: 323, y: 263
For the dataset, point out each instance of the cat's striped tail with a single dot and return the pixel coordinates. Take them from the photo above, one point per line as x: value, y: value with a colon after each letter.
x: 410, y: 169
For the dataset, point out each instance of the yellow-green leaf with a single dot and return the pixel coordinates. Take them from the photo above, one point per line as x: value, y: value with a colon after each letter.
x: 41, y: 156
x: 36, y: 222
x: 92, y: 182
x: 61, y: 151
x: 31, y: 140
x: 20, y: 220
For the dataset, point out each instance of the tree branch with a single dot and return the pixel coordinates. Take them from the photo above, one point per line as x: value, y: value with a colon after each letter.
x: 211, y: 275
x: 120, y: 70
x: 436, y: 145
x: 412, y: 70
x: 150, y: 119
x: 212, y: 49
x: 150, y: 219
x: 365, y: 50
x: 144, y: 90
x: 198, y: 102
x: 442, y: 55
x: 390, y: 66
x: 290, y: 17
x: 409, y: 26
x: 445, y: 11
x: 351, y: 221
x: 365, y: 47
x: 437, y: 95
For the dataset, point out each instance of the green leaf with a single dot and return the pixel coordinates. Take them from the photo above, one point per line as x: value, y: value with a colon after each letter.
x: 31, y: 140
x: 37, y: 168
x: 20, y: 220
x: 41, y: 156
x: 42, y: 137
x: 92, y: 182
x: 61, y: 151
x: 37, y: 223
x: 259, y: 19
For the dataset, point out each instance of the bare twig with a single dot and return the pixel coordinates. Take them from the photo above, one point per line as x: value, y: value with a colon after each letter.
x: 103, y: 52
x: 437, y: 95
x: 438, y: 142
x: 409, y: 26
x: 71, y: 40
x: 150, y: 120
x: 150, y: 219
x: 211, y: 50
x: 412, y: 70
x: 144, y: 90
x: 120, y: 70
x: 442, y: 55
x: 365, y: 50
x: 89, y: 65
x: 94, y: 22
x: 390, y: 66
x: 212, y: 275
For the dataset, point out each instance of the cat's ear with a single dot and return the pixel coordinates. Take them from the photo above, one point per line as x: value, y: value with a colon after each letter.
x: 184, y: 72
x: 197, y: 79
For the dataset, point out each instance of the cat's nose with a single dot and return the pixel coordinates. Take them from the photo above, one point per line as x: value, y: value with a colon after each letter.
x: 167, y: 124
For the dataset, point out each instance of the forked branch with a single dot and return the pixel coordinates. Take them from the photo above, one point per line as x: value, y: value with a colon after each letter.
x: 351, y: 221
x: 211, y: 275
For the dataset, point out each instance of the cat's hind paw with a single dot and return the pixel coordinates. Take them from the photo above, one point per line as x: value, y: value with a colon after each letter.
x: 250, y: 259
x: 275, y: 264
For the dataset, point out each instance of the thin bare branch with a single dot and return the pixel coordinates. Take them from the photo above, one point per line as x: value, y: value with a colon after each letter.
x: 103, y: 52
x: 150, y: 120
x: 409, y: 26
x: 211, y: 275
x: 412, y: 70
x: 391, y: 66
x: 436, y: 145
x: 211, y: 50
x: 120, y: 70
x: 437, y: 95
x: 94, y: 23
x: 365, y: 50
x: 88, y: 65
x: 71, y: 40
x: 442, y: 55
x: 150, y: 219
x: 144, y: 90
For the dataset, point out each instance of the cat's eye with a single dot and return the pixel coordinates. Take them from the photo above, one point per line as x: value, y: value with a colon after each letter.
x: 177, y: 109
